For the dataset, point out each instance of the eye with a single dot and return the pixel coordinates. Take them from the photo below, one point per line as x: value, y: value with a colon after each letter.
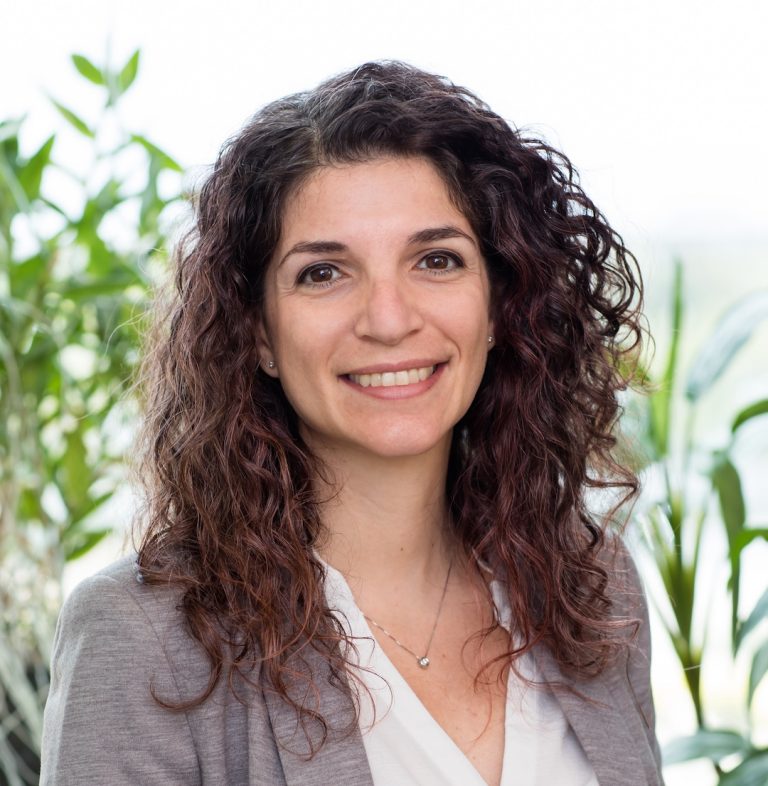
x: 319, y: 275
x: 440, y: 262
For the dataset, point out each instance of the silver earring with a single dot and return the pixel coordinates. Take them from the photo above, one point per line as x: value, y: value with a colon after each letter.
x: 271, y: 363
x: 490, y: 339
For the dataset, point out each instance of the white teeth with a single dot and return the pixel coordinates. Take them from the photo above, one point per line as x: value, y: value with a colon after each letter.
x: 389, y: 379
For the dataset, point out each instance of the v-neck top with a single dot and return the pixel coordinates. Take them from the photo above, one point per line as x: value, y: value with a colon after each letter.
x: 406, y: 746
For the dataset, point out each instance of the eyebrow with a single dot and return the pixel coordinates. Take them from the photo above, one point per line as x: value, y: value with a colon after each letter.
x: 438, y: 233
x: 429, y: 235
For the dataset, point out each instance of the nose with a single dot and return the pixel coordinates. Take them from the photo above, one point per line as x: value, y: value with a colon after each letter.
x: 389, y: 313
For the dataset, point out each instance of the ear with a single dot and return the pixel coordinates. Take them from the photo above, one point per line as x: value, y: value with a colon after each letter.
x: 267, y: 362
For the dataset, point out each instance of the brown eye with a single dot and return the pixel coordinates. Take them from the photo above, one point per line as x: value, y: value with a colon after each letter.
x: 440, y: 263
x: 319, y: 274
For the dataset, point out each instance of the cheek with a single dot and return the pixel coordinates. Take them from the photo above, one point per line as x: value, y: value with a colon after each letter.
x: 303, y: 345
x: 469, y: 316
x: 472, y: 321
x: 300, y: 387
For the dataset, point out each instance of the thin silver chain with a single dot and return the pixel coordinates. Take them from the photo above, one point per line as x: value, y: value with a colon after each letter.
x: 422, y: 660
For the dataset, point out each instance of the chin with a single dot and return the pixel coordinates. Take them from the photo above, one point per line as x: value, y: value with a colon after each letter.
x: 402, y: 445
x: 402, y: 438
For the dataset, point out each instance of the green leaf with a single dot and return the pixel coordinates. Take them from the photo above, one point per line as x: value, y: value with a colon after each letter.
x: 756, y: 616
x: 747, y: 535
x: 76, y: 474
x: 24, y: 276
x: 661, y: 399
x: 753, y: 771
x: 99, y: 205
x: 725, y: 479
x: 731, y: 333
x: 758, y: 670
x: 77, y: 122
x: 40, y: 373
x: 9, y: 129
x: 752, y: 411
x: 31, y: 173
x: 88, y: 70
x: 86, y: 292
x: 110, y: 282
x: 727, y: 482
x: 128, y: 73
x: 705, y: 743
x: 15, y: 189
x: 78, y: 523
x: 100, y: 258
x: 94, y: 210
x: 30, y: 507
x: 56, y: 209
x: 155, y: 152
x: 83, y: 542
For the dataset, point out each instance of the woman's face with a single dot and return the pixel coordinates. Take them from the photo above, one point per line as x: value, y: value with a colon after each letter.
x: 376, y: 309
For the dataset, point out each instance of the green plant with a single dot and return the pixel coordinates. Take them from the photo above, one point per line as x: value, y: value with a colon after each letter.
x: 692, y: 479
x: 75, y: 267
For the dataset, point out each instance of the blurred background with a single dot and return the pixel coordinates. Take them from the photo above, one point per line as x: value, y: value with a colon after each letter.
x: 662, y: 107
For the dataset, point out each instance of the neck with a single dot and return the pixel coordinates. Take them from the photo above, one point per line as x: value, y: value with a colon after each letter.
x: 385, y: 518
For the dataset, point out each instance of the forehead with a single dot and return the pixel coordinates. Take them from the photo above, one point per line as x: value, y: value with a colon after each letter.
x: 396, y: 195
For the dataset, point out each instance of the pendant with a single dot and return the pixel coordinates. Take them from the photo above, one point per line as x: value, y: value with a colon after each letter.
x: 423, y: 662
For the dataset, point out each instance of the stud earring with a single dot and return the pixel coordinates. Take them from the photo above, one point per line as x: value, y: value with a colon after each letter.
x: 490, y: 339
x: 271, y: 363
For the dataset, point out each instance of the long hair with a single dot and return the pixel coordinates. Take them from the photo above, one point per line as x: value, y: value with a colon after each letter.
x: 231, y: 519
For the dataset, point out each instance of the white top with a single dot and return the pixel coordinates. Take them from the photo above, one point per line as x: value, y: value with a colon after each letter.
x: 407, y: 747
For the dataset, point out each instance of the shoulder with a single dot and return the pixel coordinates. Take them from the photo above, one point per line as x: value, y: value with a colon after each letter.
x: 99, y: 597
x: 115, y: 628
x: 117, y: 646
x: 115, y: 608
x: 628, y: 615
x: 629, y: 610
x: 624, y: 585
x: 119, y: 586
x: 114, y: 615
x: 122, y: 654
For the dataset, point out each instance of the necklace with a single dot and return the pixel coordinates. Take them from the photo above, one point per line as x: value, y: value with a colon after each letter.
x: 422, y: 660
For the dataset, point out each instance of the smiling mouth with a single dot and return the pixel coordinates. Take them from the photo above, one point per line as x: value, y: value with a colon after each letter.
x: 389, y: 379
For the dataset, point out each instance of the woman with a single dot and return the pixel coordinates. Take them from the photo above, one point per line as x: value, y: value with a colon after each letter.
x: 375, y: 405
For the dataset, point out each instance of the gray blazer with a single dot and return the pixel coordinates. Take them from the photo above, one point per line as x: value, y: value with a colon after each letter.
x: 116, y: 635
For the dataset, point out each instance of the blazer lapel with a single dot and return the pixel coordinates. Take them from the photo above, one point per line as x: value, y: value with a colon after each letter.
x: 603, y: 725
x: 341, y: 759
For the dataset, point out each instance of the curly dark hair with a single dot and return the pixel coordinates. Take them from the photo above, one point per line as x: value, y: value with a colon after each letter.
x: 231, y: 518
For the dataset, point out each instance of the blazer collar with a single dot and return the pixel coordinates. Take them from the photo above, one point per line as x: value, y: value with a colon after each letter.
x: 611, y: 741
x: 342, y: 758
